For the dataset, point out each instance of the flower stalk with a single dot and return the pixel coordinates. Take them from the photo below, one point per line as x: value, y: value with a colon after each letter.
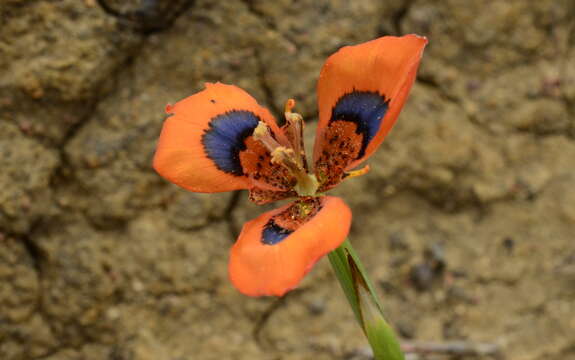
x: 364, y: 302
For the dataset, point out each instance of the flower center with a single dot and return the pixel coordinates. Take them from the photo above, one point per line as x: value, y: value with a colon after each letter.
x: 292, y: 155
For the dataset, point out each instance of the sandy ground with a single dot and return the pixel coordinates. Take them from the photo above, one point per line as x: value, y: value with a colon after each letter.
x: 466, y: 221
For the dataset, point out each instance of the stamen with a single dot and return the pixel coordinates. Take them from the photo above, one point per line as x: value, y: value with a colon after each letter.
x: 307, y: 184
x: 355, y: 173
x: 292, y: 158
x: 280, y: 154
x: 294, y: 130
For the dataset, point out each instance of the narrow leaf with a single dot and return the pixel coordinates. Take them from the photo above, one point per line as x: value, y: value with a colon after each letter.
x: 364, y: 302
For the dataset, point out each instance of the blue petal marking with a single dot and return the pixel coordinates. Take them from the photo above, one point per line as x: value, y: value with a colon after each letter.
x: 364, y: 108
x: 224, y: 139
x: 274, y: 233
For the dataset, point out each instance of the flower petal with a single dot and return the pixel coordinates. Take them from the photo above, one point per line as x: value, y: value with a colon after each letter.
x: 275, y: 250
x: 361, y: 91
x: 206, y: 145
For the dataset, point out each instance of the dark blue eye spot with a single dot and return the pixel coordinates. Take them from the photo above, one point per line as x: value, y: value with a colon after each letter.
x: 224, y: 139
x: 274, y: 233
x: 364, y: 108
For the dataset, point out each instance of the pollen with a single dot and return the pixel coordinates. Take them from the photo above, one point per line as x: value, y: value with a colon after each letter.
x: 282, y: 154
x: 261, y: 131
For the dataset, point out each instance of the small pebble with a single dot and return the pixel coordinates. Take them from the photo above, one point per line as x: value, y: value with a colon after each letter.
x: 435, y: 256
x: 509, y: 244
x: 421, y: 276
x: 316, y: 307
x: 397, y: 242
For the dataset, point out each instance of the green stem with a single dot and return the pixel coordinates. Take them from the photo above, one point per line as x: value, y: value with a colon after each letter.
x: 364, y: 302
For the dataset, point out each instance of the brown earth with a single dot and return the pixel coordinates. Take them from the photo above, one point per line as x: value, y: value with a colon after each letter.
x: 466, y: 221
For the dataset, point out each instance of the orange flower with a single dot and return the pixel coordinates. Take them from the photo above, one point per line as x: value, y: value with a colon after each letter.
x: 221, y: 139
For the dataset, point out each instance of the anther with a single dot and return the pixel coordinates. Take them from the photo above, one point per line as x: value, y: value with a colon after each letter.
x: 262, y: 134
x: 283, y: 155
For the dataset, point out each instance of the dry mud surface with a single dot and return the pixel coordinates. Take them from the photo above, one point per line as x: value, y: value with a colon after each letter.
x: 466, y: 221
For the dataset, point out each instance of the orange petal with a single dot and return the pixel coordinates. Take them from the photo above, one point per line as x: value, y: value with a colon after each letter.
x: 361, y: 91
x: 275, y: 250
x: 201, y: 143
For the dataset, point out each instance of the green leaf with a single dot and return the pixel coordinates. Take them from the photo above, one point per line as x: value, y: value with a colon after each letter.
x: 340, y: 265
x: 364, y: 302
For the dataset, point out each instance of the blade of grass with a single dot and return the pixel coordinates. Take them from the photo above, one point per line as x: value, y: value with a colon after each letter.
x: 364, y: 302
x: 340, y: 266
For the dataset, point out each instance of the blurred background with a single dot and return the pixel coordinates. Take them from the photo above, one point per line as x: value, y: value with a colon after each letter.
x: 466, y: 221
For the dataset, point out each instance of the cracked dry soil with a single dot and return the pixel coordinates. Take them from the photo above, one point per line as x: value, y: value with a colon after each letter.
x: 466, y: 220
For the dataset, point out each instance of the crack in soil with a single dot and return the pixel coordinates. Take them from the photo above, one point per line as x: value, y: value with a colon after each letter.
x: 265, y: 316
x: 267, y: 89
x: 233, y: 228
x: 400, y: 15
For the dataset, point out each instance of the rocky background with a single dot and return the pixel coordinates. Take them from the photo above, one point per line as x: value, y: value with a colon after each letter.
x: 466, y: 221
